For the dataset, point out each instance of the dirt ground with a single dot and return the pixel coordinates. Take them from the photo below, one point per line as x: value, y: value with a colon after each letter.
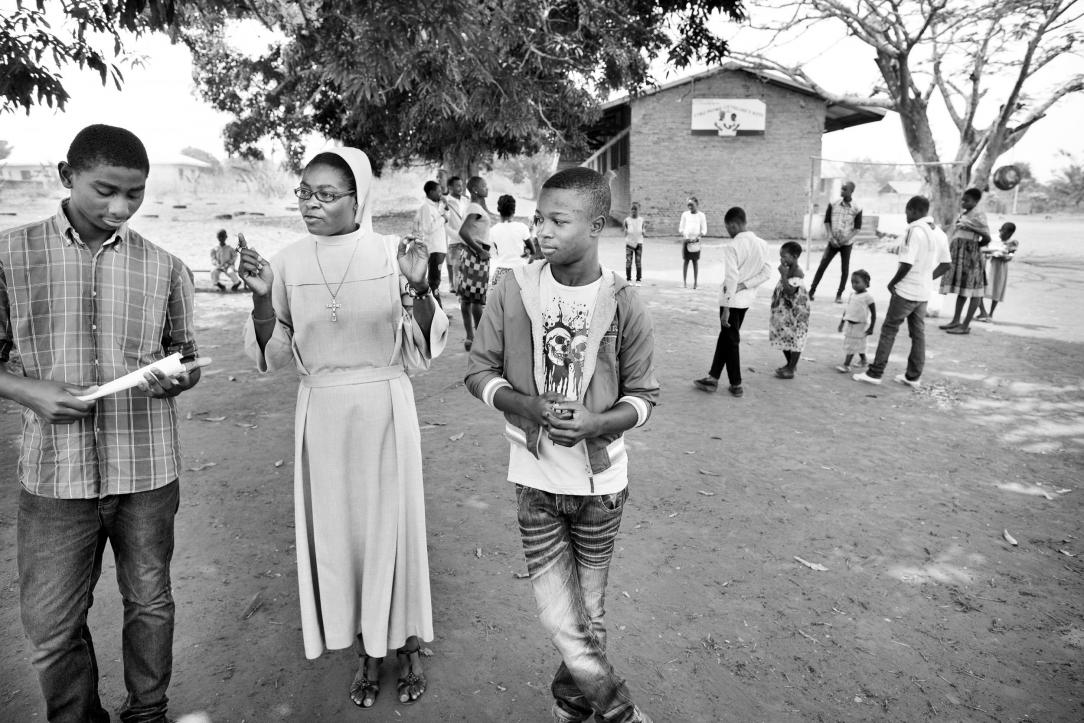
x: 925, y: 610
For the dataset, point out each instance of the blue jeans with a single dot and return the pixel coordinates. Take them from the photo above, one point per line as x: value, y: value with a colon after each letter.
x: 914, y: 312
x: 632, y: 252
x: 60, y: 545
x: 568, y: 541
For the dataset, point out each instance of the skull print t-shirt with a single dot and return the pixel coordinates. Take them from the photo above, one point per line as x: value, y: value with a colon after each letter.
x: 566, y: 319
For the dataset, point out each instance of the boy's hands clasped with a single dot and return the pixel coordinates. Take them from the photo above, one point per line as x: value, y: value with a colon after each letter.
x: 566, y: 422
x: 571, y: 423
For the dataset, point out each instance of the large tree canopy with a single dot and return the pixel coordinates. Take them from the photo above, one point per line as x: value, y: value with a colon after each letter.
x: 998, y: 66
x: 439, y: 80
x: 443, y: 80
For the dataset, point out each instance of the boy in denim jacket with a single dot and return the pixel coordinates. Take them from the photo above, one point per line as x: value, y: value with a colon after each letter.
x: 565, y: 350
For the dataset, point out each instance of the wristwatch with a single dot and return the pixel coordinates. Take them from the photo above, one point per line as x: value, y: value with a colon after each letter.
x: 415, y: 294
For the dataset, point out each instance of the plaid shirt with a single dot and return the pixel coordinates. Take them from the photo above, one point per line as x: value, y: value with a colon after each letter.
x: 844, y: 220
x: 87, y: 319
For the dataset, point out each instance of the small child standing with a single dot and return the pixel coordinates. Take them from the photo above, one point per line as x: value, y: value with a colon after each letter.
x: 1000, y: 256
x: 788, y: 325
x: 634, y: 242
x: 860, y: 309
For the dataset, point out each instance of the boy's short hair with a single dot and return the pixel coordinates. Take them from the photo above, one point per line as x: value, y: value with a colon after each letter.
x: 585, y: 182
x: 221, y: 234
x: 430, y: 186
x: 693, y: 199
x: 735, y: 214
x: 102, y: 145
x: 862, y: 274
x: 973, y: 193
x: 1010, y: 226
x: 334, y: 160
x: 506, y: 205
x: 453, y: 179
x: 472, y: 183
x: 793, y: 248
x: 919, y: 204
x: 635, y: 205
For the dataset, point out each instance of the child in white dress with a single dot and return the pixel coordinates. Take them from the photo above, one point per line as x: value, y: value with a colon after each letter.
x: 858, y: 322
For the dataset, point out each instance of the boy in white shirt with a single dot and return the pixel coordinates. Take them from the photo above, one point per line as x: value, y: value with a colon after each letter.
x: 746, y: 267
x: 634, y: 243
x: 923, y: 257
x: 692, y: 227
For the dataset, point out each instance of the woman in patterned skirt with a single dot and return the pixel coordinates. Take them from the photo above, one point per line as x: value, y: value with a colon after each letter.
x: 967, y: 277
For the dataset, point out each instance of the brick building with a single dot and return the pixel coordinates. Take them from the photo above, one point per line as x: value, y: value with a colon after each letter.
x: 730, y: 136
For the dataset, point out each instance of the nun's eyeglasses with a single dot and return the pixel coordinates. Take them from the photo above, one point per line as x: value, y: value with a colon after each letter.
x: 322, y: 196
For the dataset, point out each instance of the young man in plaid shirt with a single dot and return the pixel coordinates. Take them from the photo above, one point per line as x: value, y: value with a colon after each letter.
x: 84, y: 299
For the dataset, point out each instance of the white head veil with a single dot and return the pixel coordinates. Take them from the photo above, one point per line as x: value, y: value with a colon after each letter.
x: 363, y: 180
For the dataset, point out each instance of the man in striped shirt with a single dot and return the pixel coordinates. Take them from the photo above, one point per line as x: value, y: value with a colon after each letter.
x: 83, y: 300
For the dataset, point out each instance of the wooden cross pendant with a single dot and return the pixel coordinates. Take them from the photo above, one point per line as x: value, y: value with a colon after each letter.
x: 334, y: 305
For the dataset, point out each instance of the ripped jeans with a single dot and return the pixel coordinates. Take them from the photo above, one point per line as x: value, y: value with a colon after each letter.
x: 568, y: 541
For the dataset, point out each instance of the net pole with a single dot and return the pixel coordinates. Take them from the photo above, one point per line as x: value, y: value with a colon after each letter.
x: 809, y: 210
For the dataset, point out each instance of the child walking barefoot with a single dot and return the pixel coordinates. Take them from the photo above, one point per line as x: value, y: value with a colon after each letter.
x: 860, y: 309
x: 788, y: 325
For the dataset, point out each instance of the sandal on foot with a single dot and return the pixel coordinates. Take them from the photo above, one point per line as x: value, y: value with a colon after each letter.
x: 363, y: 689
x: 411, y: 686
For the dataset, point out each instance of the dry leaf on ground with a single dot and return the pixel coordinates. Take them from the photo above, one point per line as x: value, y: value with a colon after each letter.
x: 812, y: 565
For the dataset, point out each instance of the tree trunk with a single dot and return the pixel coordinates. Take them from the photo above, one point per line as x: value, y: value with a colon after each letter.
x: 944, y: 195
x: 461, y: 161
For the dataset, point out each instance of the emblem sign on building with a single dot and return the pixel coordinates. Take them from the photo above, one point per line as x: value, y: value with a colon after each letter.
x: 728, y: 117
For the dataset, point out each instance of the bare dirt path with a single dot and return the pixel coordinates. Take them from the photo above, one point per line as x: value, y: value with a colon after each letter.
x: 925, y: 611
